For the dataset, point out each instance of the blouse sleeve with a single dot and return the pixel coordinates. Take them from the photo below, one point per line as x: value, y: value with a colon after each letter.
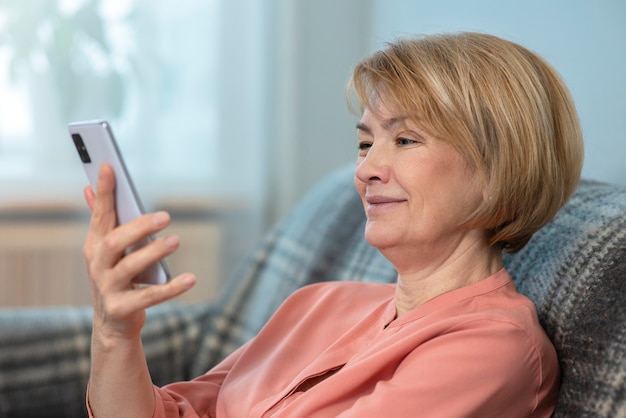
x: 195, y: 398
x: 484, y: 368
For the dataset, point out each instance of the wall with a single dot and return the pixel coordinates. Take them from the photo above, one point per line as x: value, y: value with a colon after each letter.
x: 312, y: 48
x: 585, y: 40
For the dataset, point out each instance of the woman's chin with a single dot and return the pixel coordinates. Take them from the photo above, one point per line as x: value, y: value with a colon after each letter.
x: 380, y: 239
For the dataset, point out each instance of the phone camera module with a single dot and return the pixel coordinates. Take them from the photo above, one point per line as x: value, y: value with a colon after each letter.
x: 81, y: 148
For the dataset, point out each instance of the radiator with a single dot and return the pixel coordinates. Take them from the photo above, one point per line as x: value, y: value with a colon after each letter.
x: 41, y: 261
x: 41, y: 264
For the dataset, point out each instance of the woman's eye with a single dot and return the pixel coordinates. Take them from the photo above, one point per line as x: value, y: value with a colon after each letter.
x: 364, y: 146
x: 406, y: 141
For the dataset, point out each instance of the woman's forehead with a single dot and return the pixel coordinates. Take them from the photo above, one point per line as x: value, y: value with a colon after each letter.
x: 395, y: 117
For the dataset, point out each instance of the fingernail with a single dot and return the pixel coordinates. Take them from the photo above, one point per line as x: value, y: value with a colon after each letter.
x: 160, y: 218
x: 172, y: 241
x: 189, y: 279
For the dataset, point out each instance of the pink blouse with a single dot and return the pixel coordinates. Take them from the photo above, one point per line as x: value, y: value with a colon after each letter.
x: 335, y: 350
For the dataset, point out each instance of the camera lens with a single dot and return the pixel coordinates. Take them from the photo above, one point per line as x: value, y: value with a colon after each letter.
x: 80, y: 147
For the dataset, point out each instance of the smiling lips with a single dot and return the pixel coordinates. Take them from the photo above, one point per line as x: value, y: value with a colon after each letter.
x: 381, y: 203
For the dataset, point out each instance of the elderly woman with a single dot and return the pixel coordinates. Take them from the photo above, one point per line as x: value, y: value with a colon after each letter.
x: 468, y: 144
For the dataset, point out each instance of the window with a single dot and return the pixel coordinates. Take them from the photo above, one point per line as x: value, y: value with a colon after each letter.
x: 149, y: 67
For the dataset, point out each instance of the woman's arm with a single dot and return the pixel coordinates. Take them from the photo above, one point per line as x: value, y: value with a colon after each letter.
x: 120, y: 383
x: 198, y: 397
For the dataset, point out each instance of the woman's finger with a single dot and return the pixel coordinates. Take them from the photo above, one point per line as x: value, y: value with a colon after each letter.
x: 103, y: 217
x: 134, y: 263
x: 113, y: 246
x: 90, y: 197
x: 153, y: 295
x: 129, y: 302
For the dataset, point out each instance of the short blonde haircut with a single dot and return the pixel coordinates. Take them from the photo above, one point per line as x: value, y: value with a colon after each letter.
x: 502, y: 106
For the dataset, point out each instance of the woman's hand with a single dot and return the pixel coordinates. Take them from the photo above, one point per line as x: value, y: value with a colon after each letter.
x: 120, y: 383
x: 119, y: 305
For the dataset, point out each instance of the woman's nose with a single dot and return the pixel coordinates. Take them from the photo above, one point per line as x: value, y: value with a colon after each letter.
x: 373, y: 166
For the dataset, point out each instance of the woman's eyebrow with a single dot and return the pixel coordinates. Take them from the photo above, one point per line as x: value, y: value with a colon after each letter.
x: 362, y: 127
x: 387, y: 124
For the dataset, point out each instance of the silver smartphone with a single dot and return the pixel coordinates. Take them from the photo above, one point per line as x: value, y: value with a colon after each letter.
x: 96, y: 144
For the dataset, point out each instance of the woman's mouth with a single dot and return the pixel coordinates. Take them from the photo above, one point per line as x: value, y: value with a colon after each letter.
x: 380, y: 203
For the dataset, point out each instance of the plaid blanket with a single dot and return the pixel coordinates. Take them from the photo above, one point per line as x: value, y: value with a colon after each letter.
x: 574, y: 269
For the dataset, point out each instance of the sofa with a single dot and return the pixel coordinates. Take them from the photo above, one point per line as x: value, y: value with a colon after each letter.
x: 574, y: 269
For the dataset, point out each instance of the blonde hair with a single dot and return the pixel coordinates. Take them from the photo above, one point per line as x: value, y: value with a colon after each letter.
x: 502, y: 106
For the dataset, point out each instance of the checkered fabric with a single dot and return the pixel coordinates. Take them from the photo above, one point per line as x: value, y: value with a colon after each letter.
x: 574, y: 269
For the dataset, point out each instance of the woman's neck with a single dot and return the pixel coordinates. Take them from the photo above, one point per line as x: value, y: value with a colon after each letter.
x: 463, y: 267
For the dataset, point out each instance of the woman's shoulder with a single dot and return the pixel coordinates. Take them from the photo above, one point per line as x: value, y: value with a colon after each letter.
x: 343, y: 291
x: 489, y: 309
x: 347, y: 302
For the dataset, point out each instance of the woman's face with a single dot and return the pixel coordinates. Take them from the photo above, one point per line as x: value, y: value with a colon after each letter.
x: 416, y: 189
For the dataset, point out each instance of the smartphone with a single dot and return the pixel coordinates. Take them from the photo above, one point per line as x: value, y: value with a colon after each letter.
x: 96, y: 144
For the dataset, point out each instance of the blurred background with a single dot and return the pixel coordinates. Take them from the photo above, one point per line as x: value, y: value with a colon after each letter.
x: 227, y: 112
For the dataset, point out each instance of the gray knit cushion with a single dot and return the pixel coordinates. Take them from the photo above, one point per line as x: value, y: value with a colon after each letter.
x: 574, y: 270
